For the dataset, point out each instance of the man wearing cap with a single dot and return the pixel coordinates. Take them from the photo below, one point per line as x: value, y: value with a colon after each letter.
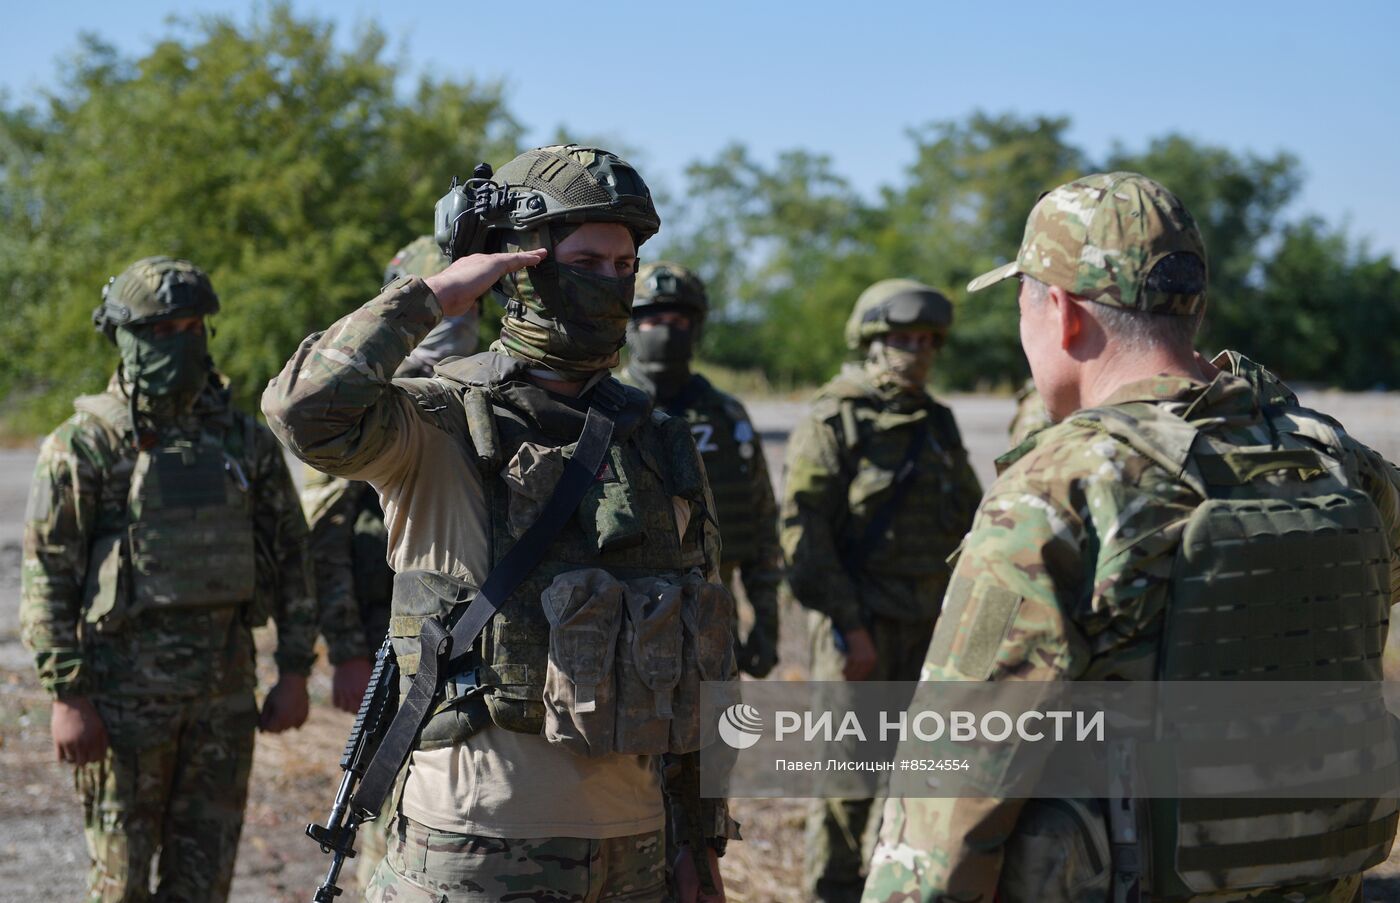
x: 162, y: 527
x: 1075, y: 570
x: 667, y: 317
x: 878, y: 493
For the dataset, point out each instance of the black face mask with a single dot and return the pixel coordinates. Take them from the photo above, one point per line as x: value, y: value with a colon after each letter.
x: 661, y: 356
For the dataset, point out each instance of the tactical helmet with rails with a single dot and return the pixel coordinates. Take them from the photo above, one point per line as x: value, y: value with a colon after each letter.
x: 897, y: 304
x: 154, y: 289
x: 563, y: 183
x: 670, y: 286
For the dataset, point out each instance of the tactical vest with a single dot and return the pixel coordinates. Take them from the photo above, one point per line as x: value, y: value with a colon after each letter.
x: 726, y: 440
x: 564, y: 631
x: 931, y: 517
x: 184, y: 536
x: 1256, y: 595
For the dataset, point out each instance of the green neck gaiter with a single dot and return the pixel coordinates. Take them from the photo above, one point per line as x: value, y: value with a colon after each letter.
x: 568, y: 320
x: 169, y: 371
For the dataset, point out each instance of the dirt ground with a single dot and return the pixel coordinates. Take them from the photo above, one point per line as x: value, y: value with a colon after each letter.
x: 42, y: 855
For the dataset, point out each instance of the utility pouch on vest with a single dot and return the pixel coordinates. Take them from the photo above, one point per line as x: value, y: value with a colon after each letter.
x: 608, y: 513
x: 649, y: 665
x: 584, y: 609
x: 1059, y: 853
x: 457, y: 709
x: 105, y: 586
x: 707, y: 613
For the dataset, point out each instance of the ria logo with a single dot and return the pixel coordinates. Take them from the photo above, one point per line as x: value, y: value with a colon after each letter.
x: 740, y: 725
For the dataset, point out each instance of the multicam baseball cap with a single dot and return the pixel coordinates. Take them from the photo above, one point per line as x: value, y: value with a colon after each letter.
x: 1100, y: 236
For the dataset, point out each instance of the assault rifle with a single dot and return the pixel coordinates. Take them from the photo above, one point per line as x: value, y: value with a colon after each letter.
x: 337, y: 836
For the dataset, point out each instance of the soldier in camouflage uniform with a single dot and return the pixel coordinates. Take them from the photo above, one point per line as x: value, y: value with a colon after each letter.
x: 878, y: 493
x: 1075, y: 570
x: 162, y: 527
x: 520, y: 784
x: 1030, y: 414
x: 350, y: 545
x: 667, y: 317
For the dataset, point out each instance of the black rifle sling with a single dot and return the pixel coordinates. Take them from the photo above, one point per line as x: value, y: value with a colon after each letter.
x: 874, y: 533
x: 440, y: 650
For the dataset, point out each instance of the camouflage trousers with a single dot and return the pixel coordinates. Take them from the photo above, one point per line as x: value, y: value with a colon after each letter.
x: 428, y: 866
x: 174, y: 781
x: 841, y: 833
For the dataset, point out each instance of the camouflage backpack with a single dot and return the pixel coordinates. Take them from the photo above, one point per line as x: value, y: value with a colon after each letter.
x: 1256, y: 595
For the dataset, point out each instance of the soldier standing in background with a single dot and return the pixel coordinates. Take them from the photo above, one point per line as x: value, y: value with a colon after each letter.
x: 162, y: 527
x: 667, y: 317
x: 350, y: 544
x: 1030, y: 414
x: 878, y: 493
x: 1076, y: 570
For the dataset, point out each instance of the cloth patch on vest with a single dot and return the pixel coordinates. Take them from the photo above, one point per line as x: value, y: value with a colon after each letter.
x: 607, y: 473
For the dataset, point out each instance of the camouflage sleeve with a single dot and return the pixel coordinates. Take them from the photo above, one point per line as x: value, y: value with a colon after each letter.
x: 284, y: 564
x: 1381, y: 481
x: 763, y: 571
x: 330, y: 507
x: 334, y: 405
x: 58, y: 525
x: 814, y: 508
x: 934, y: 849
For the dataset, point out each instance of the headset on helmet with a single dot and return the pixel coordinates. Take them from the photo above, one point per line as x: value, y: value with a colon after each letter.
x: 561, y: 183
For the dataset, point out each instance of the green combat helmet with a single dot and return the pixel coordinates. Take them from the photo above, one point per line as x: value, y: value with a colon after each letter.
x: 562, y: 183
x: 453, y: 336
x: 894, y: 304
x: 563, y: 319
x: 154, y: 289
x: 421, y: 257
x: 664, y: 285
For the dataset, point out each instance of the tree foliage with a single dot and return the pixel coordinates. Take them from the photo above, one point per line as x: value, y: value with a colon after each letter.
x: 291, y: 162
x: 285, y: 165
x: 788, y: 247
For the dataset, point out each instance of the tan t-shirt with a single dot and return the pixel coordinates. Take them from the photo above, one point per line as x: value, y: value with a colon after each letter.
x: 497, y: 783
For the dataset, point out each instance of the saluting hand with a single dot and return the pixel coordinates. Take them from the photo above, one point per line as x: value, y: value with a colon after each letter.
x: 459, y: 287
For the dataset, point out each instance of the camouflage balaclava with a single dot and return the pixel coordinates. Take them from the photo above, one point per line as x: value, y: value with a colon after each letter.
x: 568, y: 320
x: 452, y: 336
x: 902, y: 304
x: 660, y: 354
x: 164, y: 374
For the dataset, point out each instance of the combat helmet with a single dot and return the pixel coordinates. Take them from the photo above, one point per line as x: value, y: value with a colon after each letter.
x: 894, y: 304
x: 154, y: 289
x: 670, y: 286
x: 421, y: 257
x: 560, y: 184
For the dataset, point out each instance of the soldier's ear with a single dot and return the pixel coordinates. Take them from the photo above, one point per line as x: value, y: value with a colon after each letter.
x: 1068, y: 313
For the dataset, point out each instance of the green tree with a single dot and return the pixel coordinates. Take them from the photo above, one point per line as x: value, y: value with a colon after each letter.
x: 287, y: 167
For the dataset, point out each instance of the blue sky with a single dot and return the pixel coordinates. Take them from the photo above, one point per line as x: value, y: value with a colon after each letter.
x: 680, y: 81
